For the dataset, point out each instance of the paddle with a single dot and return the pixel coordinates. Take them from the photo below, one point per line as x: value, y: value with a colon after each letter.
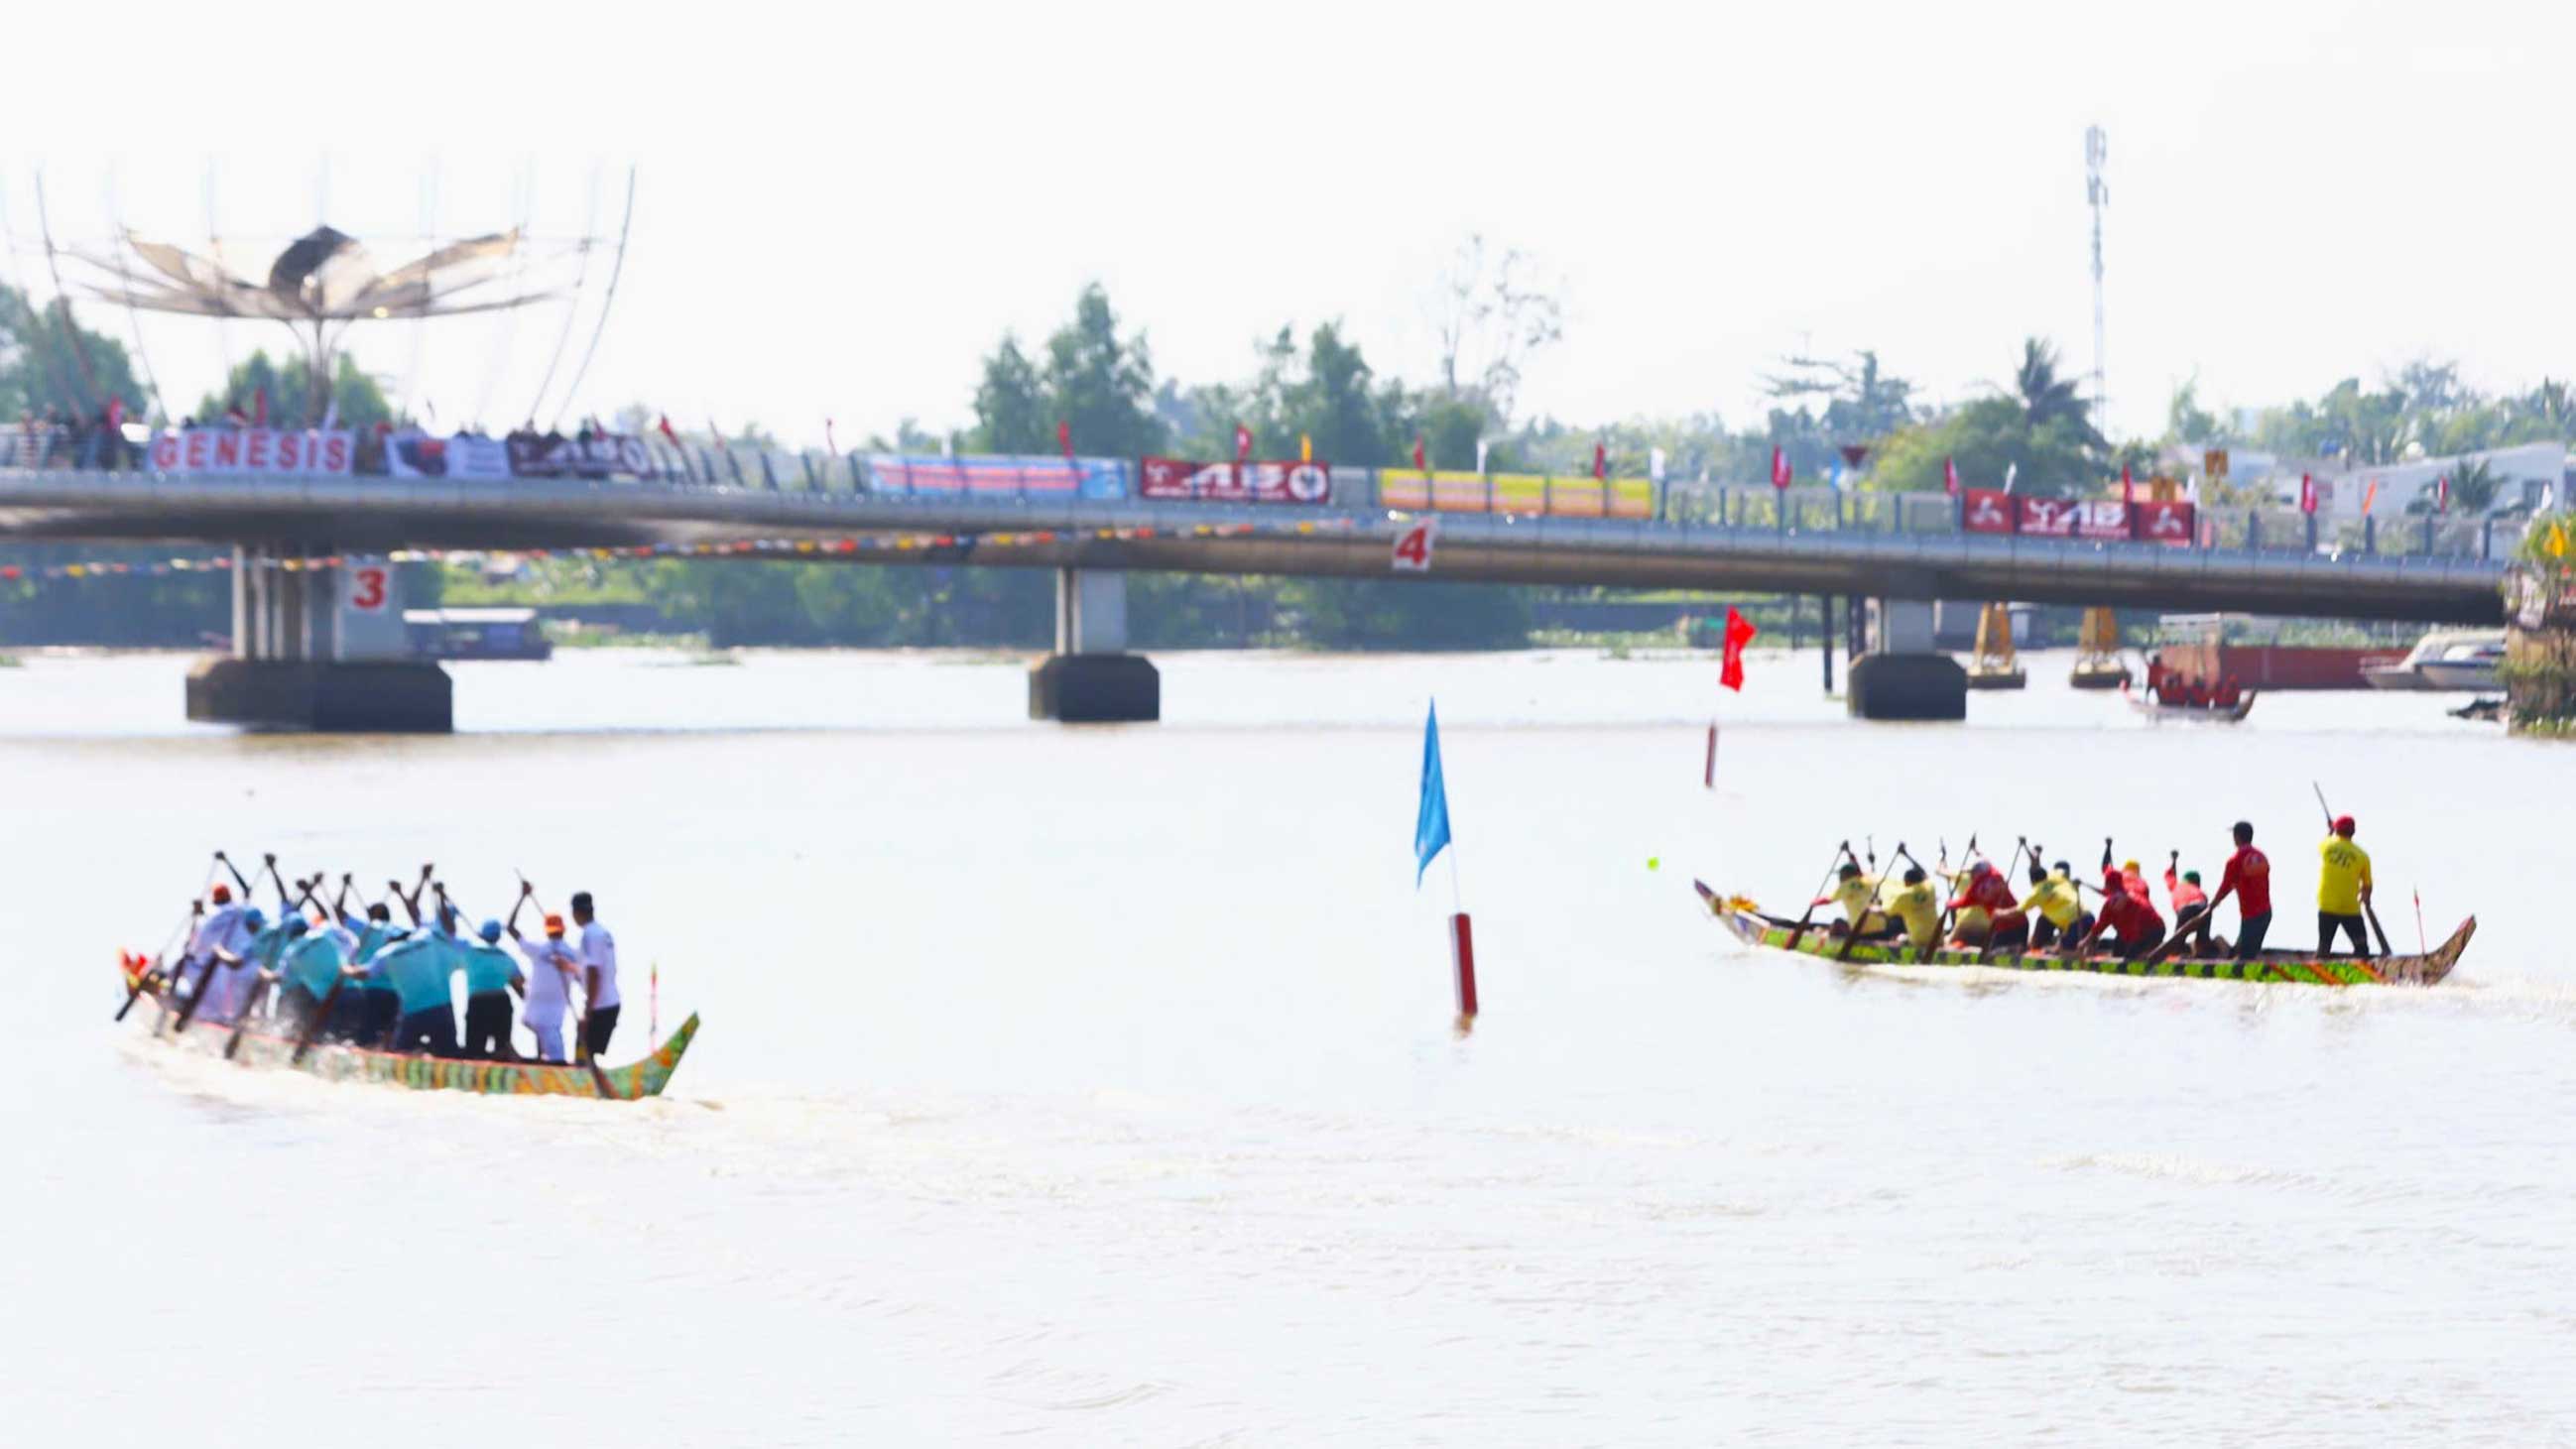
x: 321, y: 1013
x: 1842, y: 853
x: 1988, y: 948
x: 1967, y: 854
x: 267, y: 978
x: 196, y: 910
x: 2369, y: 911
x: 1922, y: 952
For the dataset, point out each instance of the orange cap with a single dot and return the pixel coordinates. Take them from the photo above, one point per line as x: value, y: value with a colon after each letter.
x: 554, y: 925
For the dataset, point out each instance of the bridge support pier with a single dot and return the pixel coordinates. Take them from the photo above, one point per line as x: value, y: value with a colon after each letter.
x: 1091, y: 678
x: 319, y: 649
x: 1903, y: 677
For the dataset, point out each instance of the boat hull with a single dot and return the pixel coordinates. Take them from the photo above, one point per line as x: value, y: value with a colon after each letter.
x: 2459, y: 677
x: 263, y: 1046
x: 2210, y: 713
x: 2291, y: 968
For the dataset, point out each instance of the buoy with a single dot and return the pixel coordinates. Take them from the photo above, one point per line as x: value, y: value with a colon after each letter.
x: 1462, y: 951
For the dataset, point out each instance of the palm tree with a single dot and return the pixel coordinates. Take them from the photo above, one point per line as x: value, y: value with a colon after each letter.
x: 2046, y: 397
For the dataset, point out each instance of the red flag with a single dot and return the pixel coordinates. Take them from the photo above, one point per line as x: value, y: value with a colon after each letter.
x: 1600, y: 459
x: 2307, y: 494
x: 115, y: 413
x: 259, y: 408
x: 1950, y: 476
x: 1739, y: 632
x: 2128, y: 489
x: 2442, y: 494
x: 1779, y: 467
x: 1242, y: 443
x: 1417, y: 454
x: 1064, y: 437
x: 2369, y: 495
x: 668, y: 431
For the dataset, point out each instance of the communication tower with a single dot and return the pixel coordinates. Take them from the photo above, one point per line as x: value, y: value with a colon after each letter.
x: 2097, y: 193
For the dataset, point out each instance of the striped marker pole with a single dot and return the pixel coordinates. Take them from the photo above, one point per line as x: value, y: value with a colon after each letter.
x: 1462, y: 953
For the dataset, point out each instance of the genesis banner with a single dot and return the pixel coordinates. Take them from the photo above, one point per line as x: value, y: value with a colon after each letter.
x: 253, y: 450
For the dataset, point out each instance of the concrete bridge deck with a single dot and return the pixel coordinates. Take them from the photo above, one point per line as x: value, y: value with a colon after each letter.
x: 353, y: 514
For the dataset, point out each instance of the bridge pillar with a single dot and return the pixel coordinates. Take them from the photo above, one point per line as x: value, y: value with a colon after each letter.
x: 319, y: 649
x: 1091, y: 678
x: 1903, y: 677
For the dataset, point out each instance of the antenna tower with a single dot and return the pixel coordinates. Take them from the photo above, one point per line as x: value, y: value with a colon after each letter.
x: 2097, y: 150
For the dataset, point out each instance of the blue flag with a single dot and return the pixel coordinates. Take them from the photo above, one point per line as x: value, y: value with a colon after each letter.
x: 1431, y: 826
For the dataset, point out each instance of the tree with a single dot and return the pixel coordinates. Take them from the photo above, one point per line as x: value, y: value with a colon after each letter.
x: 2190, y: 424
x: 1011, y: 413
x: 1862, y: 403
x: 49, y: 362
x: 360, y: 403
x: 2047, y: 398
x: 1490, y: 319
x: 1102, y: 384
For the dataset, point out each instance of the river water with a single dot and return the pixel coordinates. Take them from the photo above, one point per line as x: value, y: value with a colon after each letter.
x: 1098, y: 1085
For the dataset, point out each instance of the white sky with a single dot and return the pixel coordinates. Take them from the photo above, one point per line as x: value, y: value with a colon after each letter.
x: 841, y: 208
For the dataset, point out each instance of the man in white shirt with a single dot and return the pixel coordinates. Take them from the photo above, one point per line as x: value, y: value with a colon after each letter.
x: 599, y: 979
x: 551, y: 964
x: 214, y: 928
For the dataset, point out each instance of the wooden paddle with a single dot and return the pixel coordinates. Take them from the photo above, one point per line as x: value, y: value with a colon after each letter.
x: 1842, y: 853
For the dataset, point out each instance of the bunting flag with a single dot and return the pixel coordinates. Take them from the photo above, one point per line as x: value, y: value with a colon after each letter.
x: 1739, y: 632
x: 1950, y: 476
x: 1431, y: 815
x: 1779, y: 467
x: 1242, y: 444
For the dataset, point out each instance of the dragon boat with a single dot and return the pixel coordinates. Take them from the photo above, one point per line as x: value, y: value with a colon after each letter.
x: 265, y: 1044
x: 2154, y: 708
x: 1745, y: 919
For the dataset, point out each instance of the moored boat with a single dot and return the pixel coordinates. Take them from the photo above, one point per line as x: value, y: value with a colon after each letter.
x: 2215, y: 714
x: 1749, y: 925
x: 264, y: 1044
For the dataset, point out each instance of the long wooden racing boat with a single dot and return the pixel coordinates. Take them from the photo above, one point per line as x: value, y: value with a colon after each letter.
x: 2211, y: 713
x: 263, y: 1044
x: 1753, y: 928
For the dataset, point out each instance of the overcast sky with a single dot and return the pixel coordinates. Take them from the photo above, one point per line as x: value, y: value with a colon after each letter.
x: 840, y: 209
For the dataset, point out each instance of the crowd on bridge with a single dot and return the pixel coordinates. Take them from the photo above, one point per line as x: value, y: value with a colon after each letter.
x: 327, y: 973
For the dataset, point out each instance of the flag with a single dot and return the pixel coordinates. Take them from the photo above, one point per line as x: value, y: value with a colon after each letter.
x: 1834, y: 476
x: 115, y: 413
x: 2558, y: 539
x: 1431, y: 820
x: 259, y: 408
x: 667, y: 431
x: 1417, y: 454
x: 1480, y: 455
x: 331, y: 413
x: 2369, y: 495
x: 1655, y: 464
x: 2011, y: 471
x: 1064, y: 437
x: 1739, y: 632
x: 1242, y: 443
x: 1950, y: 476
x: 1600, y: 459
x: 1305, y: 448
x: 2442, y: 494
x: 2307, y: 495
x: 1779, y: 467
x: 2128, y: 487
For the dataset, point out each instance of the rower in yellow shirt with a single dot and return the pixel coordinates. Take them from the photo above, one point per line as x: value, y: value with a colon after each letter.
x: 1918, y: 905
x: 2055, y: 906
x: 2343, y: 889
x: 1857, y: 894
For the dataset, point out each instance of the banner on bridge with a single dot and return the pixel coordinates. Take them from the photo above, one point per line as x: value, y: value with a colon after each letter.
x: 1535, y: 493
x: 253, y: 450
x: 1019, y: 477
x: 415, y: 454
x: 552, y: 455
x: 1234, y: 482
x: 1991, y: 510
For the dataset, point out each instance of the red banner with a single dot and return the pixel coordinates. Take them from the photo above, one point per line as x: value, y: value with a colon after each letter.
x: 251, y: 450
x: 2162, y: 522
x: 1235, y: 483
x: 2045, y: 517
x: 2103, y: 522
x: 1988, y: 510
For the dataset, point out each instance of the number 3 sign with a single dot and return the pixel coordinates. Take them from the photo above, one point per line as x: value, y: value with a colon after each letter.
x: 369, y: 587
x: 1413, y: 547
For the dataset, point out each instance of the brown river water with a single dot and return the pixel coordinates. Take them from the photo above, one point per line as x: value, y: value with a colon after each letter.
x: 1098, y: 1086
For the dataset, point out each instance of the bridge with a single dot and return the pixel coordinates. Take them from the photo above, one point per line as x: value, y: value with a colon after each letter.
x: 1900, y: 553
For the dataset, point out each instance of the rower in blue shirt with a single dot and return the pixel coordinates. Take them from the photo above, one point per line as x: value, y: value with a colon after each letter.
x: 418, y: 968
x: 490, y: 975
x: 313, y: 966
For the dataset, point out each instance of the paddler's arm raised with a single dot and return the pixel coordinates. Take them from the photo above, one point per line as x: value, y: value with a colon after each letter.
x: 512, y: 925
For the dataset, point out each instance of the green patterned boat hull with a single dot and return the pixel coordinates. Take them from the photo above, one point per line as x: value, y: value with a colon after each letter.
x: 266, y: 1048
x: 1755, y: 929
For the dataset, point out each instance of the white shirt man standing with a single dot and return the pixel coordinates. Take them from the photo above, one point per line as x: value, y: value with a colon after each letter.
x: 551, y: 966
x: 599, y: 979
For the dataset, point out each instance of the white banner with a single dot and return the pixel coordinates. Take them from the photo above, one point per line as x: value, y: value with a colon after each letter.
x: 414, y: 454
x: 253, y: 450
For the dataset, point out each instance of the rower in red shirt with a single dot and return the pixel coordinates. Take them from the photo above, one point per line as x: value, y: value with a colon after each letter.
x: 2249, y: 879
x: 1988, y: 915
x: 2190, y: 905
x: 2136, y: 929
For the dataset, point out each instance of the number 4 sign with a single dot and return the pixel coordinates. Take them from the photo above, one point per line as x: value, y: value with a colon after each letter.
x: 1413, y: 547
